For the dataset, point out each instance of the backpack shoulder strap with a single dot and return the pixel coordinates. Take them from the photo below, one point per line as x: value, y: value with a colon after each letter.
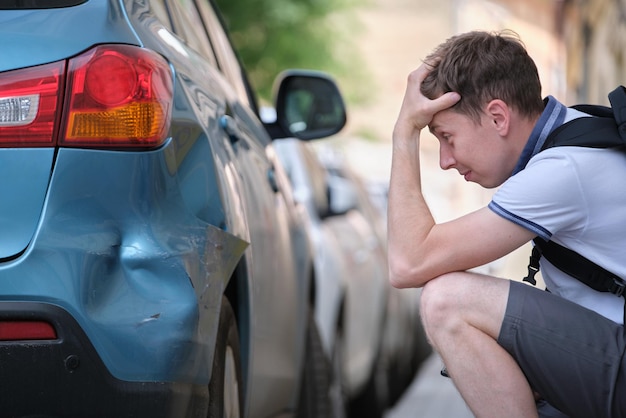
x: 606, y: 130
x: 580, y: 268
x: 618, y: 103
x: 592, y: 132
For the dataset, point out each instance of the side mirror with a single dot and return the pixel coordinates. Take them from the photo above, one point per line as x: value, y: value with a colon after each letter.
x: 342, y: 196
x: 308, y: 106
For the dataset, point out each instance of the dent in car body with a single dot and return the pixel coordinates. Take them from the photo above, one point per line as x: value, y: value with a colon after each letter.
x: 118, y: 250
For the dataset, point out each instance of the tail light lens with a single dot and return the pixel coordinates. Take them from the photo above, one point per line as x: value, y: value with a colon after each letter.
x: 30, y: 104
x: 118, y: 97
x: 26, y: 330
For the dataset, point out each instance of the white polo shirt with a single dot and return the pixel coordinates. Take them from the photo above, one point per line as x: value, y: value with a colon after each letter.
x: 576, y: 197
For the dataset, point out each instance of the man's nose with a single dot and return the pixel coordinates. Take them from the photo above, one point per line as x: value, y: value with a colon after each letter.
x: 446, y: 159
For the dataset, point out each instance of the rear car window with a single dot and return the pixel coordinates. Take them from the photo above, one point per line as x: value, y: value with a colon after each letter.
x: 37, y: 4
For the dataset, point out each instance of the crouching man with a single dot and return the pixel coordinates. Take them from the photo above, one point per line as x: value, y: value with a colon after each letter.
x: 511, y: 349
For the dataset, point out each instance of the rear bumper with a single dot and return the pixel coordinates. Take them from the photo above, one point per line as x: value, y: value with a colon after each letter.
x: 65, y: 377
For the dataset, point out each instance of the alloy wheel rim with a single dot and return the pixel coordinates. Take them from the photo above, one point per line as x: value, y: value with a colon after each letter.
x: 231, y: 386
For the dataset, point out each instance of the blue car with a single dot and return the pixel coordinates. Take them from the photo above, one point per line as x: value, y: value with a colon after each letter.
x: 153, y: 261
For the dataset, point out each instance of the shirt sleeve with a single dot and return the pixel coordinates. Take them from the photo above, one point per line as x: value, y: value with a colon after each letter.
x: 545, y: 197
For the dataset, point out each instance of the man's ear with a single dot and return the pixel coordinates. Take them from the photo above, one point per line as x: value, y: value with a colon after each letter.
x: 499, y: 116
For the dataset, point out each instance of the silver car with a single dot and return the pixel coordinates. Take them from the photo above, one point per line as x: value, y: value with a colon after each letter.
x: 366, y: 325
x: 405, y: 345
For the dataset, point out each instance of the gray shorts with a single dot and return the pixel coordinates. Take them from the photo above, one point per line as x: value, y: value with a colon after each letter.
x: 572, y: 356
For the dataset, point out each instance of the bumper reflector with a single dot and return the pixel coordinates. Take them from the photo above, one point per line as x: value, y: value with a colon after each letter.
x: 26, y: 330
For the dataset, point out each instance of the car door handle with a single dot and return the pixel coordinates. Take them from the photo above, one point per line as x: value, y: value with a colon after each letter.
x: 271, y: 179
x: 229, y: 125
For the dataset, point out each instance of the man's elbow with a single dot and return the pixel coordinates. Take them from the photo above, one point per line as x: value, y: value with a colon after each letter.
x: 402, y: 276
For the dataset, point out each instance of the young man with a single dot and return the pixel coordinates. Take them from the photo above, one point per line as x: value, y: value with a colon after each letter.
x: 504, y: 343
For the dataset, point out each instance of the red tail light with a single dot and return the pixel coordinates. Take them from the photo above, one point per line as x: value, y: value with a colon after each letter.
x: 118, y: 96
x: 26, y: 330
x: 29, y: 105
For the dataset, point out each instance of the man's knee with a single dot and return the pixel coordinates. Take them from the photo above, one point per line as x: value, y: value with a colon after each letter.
x: 440, y: 302
x: 455, y: 300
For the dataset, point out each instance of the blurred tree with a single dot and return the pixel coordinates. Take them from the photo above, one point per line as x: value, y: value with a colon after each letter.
x: 273, y: 35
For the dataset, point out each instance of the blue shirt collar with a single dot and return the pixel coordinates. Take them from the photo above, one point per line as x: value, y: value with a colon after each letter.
x: 552, y: 117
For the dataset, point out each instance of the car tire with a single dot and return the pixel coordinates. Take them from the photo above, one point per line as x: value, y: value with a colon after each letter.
x: 314, y: 399
x: 225, y: 386
x: 373, y: 400
x: 338, y: 391
x: 423, y: 348
x: 401, y: 373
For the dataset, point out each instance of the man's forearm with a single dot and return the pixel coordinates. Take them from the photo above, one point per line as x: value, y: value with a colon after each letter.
x: 409, y: 218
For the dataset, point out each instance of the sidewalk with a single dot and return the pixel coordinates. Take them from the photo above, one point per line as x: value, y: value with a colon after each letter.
x: 430, y: 396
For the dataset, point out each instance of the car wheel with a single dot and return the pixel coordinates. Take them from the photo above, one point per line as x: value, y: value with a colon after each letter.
x: 225, y: 386
x: 423, y: 348
x: 315, y: 387
x: 374, y: 399
x: 338, y: 394
x: 401, y: 373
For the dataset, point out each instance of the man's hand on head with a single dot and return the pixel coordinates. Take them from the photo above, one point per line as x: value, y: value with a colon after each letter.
x: 417, y: 110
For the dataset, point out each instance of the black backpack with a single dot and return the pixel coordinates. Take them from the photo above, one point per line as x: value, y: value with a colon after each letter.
x: 608, y: 130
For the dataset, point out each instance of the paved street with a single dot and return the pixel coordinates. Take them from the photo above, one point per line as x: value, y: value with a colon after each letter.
x: 430, y: 396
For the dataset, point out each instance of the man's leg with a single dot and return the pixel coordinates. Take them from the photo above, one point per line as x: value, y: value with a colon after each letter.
x: 572, y: 356
x: 462, y: 314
